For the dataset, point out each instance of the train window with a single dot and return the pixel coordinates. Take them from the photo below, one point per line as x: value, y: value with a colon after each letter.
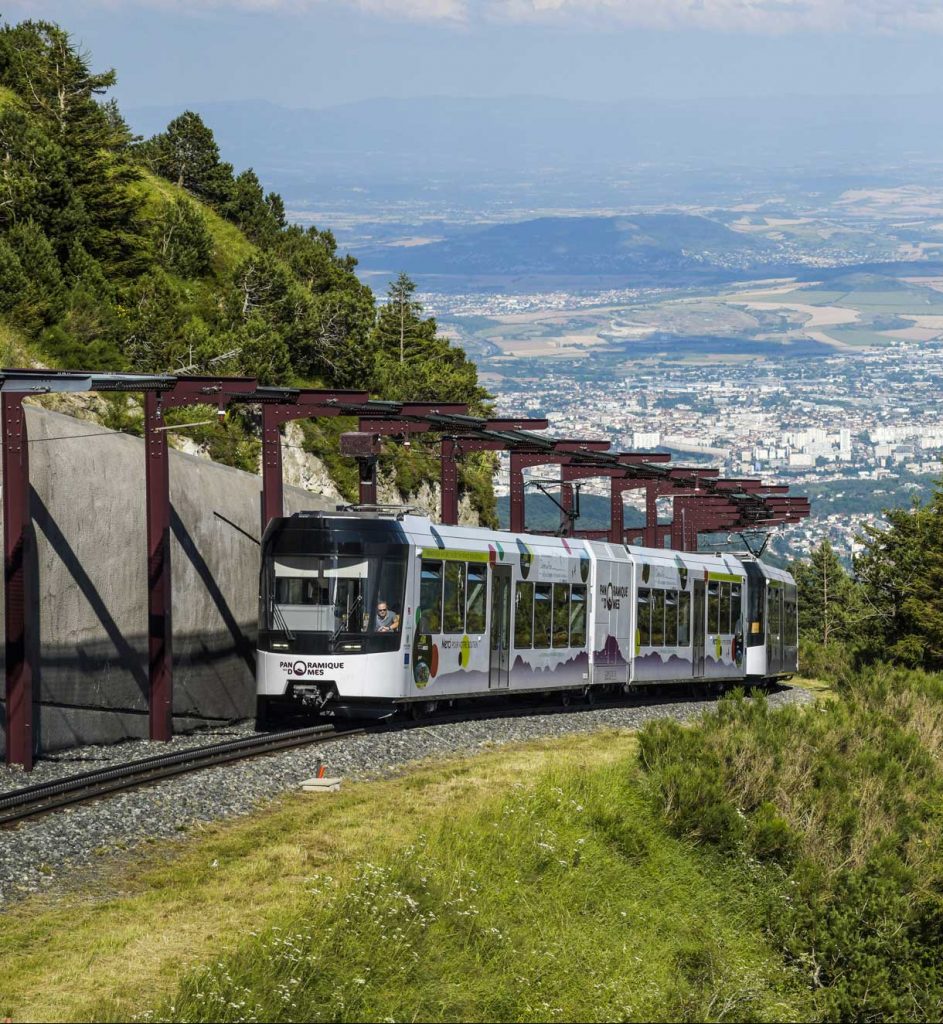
x: 561, y: 615
x: 430, y: 598
x: 671, y: 618
x: 543, y: 593
x: 774, y: 597
x: 524, y: 615
x: 756, y: 612
x: 713, y: 607
x: 453, y: 618
x: 475, y: 593
x: 644, y: 617
x: 792, y: 636
x: 658, y: 618
x: 736, y: 610
x: 684, y: 618
x: 724, y: 608
x: 577, y: 616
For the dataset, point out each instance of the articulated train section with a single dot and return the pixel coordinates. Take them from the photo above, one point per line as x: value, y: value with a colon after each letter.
x: 365, y: 613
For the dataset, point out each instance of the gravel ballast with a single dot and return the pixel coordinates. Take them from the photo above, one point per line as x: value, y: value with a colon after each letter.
x: 46, y: 852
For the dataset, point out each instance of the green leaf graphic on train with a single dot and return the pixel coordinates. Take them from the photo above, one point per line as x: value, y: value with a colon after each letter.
x: 527, y: 558
x: 425, y: 657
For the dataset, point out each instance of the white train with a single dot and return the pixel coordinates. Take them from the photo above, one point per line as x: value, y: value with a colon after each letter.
x: 365, y: 612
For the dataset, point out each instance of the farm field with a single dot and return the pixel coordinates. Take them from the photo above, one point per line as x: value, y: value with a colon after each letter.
x: 775, y: 320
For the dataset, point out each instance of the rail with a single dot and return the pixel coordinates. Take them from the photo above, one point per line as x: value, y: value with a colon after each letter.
x: 29, y: 801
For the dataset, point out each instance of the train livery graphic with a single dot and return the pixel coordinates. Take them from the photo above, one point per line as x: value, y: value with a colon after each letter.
x: 362, y: 612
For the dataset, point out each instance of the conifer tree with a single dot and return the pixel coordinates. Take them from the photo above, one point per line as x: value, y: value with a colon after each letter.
x: 401, y: 330
x: 826, y: 596
x: 182, y: 240
x: 187, y: 154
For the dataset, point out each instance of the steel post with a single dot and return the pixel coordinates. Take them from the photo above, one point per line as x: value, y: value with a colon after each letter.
x: 651, y: 514
x: 517, y: 493
x: 449, y: 499
x: 159, y: 629
x: 16, y: 535
x: 368, y: 479
x: 272, y: 484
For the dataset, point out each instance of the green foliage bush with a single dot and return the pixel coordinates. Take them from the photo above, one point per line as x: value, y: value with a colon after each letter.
x: 843, y: 803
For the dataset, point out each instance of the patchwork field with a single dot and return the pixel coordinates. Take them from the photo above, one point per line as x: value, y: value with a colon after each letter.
x: 781, y: 319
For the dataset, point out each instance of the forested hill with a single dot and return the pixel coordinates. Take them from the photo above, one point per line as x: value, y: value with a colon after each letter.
x: 155, y: 255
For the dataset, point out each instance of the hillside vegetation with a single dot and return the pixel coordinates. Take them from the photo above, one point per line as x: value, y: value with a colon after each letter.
x: 157, y: 256
x: 530, y: 883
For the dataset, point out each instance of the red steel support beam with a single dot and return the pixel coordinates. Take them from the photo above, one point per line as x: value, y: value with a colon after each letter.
x: 368, y: 480
x: 651, y: 514
x: 186, y: 391
x: 449, y: 496
x: 16, y: 539
x: 273, y: 482
x: 302, y: 405
x: 159, y: 625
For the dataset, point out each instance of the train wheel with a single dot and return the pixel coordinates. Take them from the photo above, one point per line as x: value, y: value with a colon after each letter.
x: 589, y: 695
x: 422, y: 709
x: 566, y: 698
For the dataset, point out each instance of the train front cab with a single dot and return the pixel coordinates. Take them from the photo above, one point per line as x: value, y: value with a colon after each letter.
x: 772, y: 622
x: 322, y: 578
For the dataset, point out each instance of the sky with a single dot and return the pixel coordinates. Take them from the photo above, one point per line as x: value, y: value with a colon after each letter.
x: 317, y: 53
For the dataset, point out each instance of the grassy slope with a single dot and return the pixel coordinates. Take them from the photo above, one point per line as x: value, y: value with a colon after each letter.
x: 230, y: 245
x: 555, y: 893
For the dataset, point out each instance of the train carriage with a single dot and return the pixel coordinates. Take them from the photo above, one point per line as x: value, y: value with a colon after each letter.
x: 362, y: 613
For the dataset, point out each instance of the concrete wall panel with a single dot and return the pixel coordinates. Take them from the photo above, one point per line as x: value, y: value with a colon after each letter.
x: 88, y: 513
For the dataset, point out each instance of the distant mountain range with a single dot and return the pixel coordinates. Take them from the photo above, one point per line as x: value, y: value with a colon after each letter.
x: 534, y: 139
x: 640, y: 245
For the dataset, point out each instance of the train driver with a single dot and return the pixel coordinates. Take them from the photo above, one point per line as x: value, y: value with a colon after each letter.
x: 385, y: 620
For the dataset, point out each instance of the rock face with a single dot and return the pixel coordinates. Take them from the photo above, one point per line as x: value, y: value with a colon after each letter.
x: 301, y: 469
x: 427, y: 499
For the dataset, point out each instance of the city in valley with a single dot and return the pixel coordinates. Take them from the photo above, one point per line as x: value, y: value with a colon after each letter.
x: 822, y: 370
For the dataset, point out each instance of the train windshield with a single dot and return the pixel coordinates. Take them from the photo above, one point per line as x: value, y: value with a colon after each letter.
x: 334, y: 594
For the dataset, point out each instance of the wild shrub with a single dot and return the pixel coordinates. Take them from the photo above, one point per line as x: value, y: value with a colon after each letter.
x: 843, y: 802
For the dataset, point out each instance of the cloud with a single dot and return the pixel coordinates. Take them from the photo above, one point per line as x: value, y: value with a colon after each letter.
x: 414, y: 10
x: 761, y: 17
x: 766, y: 17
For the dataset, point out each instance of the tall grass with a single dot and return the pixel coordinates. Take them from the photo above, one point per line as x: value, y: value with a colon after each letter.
x: 564, y: 900
x: 844, y: 805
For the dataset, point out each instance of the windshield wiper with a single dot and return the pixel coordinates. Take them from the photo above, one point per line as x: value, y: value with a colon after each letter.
x: 340, y: 629
x: 280, y: 621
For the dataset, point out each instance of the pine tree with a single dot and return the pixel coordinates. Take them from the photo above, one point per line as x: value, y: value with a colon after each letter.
x: 182, y: 240
x: 901, y: 571
x: 187, y: 154
x: 400, y: 328
x: 826, y: 597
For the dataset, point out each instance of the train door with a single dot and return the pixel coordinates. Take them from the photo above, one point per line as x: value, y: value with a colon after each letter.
x: 699, y: 624
x: 500, y: 663
x: 774, y: 629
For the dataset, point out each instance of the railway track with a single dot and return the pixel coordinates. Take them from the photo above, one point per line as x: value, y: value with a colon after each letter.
x: 31, y: 801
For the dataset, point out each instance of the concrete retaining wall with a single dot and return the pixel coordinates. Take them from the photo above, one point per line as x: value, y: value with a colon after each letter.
x: 90, y: 554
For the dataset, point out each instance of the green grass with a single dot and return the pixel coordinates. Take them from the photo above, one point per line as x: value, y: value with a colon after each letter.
x: 15, y: 350
x: 561, y: 900
x: 530, y: 883
x: 230, y: 245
